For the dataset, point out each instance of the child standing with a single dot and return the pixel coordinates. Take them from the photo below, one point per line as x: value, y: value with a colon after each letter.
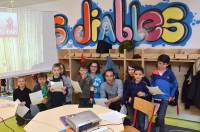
x: 85, y: 83
x: 22, y: 94
x: 57, y: 98
x: 128, y: 83
x: 138, y: 89
x: 164, y: 78
x: 41, y: 84
x: 68, y: 99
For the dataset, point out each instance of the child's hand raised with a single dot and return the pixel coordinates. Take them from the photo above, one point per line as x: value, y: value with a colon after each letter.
x: 141, y: 94
x: 83, y: 76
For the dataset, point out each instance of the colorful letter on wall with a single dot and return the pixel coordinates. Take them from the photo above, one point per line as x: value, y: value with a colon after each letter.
x: 61, y: 30
x: 174, y: 29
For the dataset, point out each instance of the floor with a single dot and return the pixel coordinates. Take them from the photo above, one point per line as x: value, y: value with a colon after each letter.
x: 193, y: 114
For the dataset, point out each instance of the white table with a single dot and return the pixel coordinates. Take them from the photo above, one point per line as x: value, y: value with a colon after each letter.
x: 49, y: 120
x: 7, y: 109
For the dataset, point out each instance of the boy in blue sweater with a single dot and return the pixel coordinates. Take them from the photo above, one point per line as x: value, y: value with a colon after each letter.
x: 164, y: 78
x: 138, y: 89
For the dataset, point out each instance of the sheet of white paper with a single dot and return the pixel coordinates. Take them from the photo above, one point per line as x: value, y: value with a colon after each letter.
x: 155, y: 90
x: 76, y: 87
x: 101, y: 101
x: 17, y: 101
x: 22, y: 110
x: 36, y: 97
x: 57, y: 86
x: 113, y: 117
x: 123, y: 110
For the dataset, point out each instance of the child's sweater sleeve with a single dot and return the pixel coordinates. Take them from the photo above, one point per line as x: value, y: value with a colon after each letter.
x: 103, y: 91
x: 91, y: 89
x: 148, y: 96
x: 14, y: 95
x: 174, y: 84
x: 152, y: 81
x: 153, y: 77
x: 126, y: 92
x: 68, y: 85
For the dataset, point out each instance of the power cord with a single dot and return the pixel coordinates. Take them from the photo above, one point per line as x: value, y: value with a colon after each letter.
x: 105, y: 125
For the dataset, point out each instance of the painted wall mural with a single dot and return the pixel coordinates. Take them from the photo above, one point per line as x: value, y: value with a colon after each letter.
x: 163, y: 24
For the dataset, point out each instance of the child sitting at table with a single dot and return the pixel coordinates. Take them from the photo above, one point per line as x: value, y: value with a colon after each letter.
x: 22, y: 94
x: 41, y: 84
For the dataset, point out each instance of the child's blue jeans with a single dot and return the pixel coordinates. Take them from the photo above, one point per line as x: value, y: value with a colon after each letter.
x: 160, y: 119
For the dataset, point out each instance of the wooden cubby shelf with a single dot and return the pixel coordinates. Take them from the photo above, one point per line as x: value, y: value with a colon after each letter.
x: 70, y: 57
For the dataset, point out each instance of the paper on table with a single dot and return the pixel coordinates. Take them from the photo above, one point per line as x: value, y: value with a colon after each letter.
x: 36, y: 97
x: 113, y: 117
x: 22, y: 110
x: 101, y: 101
x: 155, y: 90
x: 76, y: 87
x: 57, y: 86
x: 8, y: 109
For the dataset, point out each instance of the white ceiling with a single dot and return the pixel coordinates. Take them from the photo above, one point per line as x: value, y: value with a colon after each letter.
x: 20, y: 3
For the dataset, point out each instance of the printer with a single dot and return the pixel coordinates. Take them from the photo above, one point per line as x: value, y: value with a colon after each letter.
x: 82, y: 121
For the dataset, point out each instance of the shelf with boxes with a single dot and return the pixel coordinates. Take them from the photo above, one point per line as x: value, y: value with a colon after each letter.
x: 71, y: 57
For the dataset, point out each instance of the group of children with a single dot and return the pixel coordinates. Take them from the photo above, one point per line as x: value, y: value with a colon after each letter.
x: 136, y: 86
x: 92, y: 84
x: 51, y: 98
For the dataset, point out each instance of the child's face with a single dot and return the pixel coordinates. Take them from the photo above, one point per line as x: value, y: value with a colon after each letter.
x: 138, y: 75
x: 42, y: 80
x: 56, y: 71
x: 93, y: 67
x: 131, y: 71
x: 162, y: 66
x: 21, y: 82
x: 83, y: 71
x: 109, y: 76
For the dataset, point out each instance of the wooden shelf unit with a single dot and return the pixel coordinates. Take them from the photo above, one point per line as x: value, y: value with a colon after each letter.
x: 71, y: 57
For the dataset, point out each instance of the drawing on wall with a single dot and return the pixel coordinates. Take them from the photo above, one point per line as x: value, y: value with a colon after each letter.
x: 163, y: 24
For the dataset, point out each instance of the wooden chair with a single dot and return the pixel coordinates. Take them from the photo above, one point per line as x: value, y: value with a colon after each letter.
x: 147, y: 108
x: 130, y: 129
